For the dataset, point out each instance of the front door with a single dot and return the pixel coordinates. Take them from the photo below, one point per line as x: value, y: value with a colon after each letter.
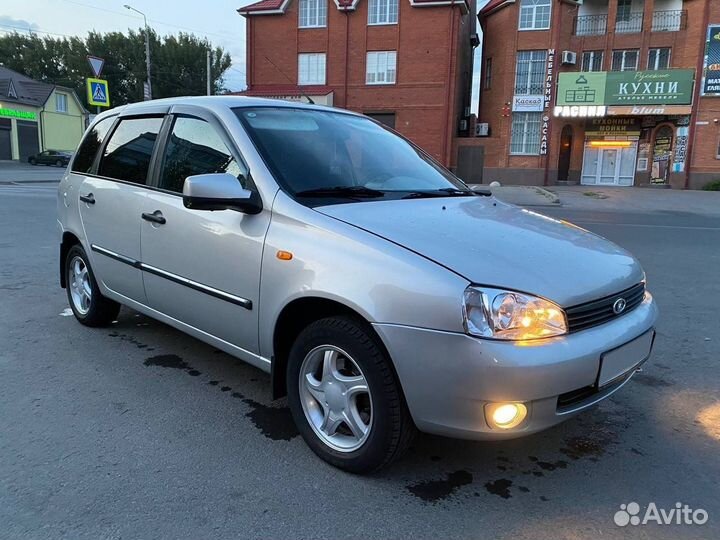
x: 111, y: 203
x: 200, y: 267
x: 609, y: 166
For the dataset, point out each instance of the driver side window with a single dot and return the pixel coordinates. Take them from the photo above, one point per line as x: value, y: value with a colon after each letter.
x: 195, y: 147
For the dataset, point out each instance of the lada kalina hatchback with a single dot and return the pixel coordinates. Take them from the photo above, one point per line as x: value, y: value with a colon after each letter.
x: 381, y: 294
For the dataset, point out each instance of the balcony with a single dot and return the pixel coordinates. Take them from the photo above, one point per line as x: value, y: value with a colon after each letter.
x: 669, y: 21
x: 591, y: 25
x: 629, y: 23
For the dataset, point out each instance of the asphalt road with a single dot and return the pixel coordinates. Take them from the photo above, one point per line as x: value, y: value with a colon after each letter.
x: 138, y: 431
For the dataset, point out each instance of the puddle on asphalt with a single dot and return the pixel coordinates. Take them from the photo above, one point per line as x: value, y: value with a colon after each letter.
x: 275, y: 423
x: 433, y: 491
x: 500, y: 487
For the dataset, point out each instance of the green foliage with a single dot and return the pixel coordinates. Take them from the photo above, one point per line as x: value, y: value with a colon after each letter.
x: 712, y: 186
x: 178, y: 62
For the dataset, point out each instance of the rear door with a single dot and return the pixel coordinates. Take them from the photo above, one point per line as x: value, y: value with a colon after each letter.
x: 202, y: 267
x: 111, y: 203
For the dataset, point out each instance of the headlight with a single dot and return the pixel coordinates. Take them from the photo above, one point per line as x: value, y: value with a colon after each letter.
x: 498, y: 314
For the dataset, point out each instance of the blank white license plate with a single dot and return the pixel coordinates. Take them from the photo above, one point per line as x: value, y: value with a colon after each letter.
x: 619, y: 361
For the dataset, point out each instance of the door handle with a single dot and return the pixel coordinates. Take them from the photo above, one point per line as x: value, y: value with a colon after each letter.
x: 155, y: 217
x: 88, y: 199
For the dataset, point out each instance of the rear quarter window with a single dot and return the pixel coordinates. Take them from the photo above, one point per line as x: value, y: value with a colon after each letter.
x: 90, y: 145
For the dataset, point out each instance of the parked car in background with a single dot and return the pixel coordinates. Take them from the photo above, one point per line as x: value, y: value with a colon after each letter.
x: 380, y: 293
x: 51, y: 157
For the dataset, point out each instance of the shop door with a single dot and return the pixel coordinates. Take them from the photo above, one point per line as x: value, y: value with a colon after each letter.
x: 5, y: 145
x: 609, y: 166
x: 27, y: 139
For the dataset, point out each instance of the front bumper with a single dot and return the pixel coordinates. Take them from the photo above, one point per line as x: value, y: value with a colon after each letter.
x: 447, y: 378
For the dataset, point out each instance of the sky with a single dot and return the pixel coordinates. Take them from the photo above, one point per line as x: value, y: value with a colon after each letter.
x: 217, y: 20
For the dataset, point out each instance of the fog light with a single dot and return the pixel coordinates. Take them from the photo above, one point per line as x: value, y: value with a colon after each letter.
x: 505, y: 415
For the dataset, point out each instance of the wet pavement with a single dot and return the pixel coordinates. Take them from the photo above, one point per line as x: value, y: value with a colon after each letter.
x: 139, y: 431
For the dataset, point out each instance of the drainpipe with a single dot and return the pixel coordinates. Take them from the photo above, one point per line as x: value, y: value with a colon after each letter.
x: 347, y: 57
x: 450, y: 91
x: 696, y: 95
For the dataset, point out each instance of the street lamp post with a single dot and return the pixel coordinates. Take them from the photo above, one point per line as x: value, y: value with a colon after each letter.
x: 148, y: 94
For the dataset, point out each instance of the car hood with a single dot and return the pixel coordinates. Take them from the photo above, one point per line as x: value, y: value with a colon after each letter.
x: 492, y: 243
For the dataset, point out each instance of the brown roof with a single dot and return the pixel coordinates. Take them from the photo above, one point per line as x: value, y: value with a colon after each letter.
x: 28, y: 91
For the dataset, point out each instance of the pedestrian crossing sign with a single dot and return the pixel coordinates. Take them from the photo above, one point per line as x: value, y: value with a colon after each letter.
x: 97, y: 92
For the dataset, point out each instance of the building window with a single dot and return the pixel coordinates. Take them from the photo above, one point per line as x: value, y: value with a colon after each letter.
x: 525, y: 133
x: 624, y: 10
x: 311, y: 68
x: 659, y: 58
x: 383, y: 12
x: 592, y: 61
x: 381, y: 67
x: 530, y: 72
x: 313, y: 13
x: 625, y: 60
x: 488, y: 73
x: 535, y: 14
x: 61, y: 103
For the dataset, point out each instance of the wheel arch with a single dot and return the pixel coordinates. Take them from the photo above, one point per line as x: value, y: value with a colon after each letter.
x: 294, y: 318
x: 68, y: 241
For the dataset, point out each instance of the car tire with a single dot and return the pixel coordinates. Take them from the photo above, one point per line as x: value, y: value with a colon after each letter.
x: 59, y: 163
x: 358, y: 358
x: 88, y: 305
x: 33, y: 161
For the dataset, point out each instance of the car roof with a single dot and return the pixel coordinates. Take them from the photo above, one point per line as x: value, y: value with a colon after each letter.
x: 215, y: 103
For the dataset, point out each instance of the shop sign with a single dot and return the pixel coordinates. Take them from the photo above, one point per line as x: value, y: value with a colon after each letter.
x: 711, y: 80
x: 648, y: 110
x: 580, y: 111
x: 544, y: 135
x: 681, y: 149
x: 670, y: 86
x: 661, y: 87
x: 533, y: 103
x: 14, y: 113
x: 581, y: 88
x: 613, y: 126
x: 549, y: 75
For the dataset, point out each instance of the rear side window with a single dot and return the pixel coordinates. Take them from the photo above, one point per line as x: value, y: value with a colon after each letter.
x: 128, y: 152
x: 195, y: 147
x: 85, y: 156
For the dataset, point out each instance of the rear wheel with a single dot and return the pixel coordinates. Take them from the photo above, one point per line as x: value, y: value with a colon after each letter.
x: 59, y: 163
x: 89, y: 306
x: 33, y: 161
x: 344, y: 396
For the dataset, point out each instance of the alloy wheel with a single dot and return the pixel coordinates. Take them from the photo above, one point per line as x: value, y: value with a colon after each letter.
x: 79, y: 282
x: 336, y: 398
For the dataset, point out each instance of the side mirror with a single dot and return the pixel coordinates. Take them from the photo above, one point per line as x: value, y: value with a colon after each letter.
x: 219, y: 191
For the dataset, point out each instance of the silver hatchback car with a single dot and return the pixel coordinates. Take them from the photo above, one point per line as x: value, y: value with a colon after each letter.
x: 381, y: 293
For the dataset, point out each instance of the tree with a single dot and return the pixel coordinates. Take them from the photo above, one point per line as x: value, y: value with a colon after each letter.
x: 178, y: 62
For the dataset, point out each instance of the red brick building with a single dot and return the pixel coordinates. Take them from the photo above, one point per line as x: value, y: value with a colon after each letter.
x: 601, y: 92
x: 408, y: 63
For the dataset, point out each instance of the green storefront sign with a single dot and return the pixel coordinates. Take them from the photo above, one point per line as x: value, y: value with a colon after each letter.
x: 662, y: 87
x: 14, y: 113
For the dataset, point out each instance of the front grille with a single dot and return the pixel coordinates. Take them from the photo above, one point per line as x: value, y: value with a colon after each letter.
x: 601, y: 311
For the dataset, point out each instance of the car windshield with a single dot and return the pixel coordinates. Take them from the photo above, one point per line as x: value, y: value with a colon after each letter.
x: 325, y: 154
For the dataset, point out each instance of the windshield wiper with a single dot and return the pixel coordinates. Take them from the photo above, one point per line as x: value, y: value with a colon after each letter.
x: 342, y: 191
x: 443, y: 192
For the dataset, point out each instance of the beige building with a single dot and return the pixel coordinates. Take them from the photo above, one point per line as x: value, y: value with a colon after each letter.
x: 36, y: 116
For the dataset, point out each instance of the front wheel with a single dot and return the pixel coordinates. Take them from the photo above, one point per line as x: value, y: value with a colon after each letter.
x: 345, y: 398
x: 33, y: 161
x: 59, y: 163
x: 89, y: 306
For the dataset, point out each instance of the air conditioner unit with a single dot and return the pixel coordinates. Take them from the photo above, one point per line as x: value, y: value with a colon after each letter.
x: 482, y: 130
x: 569, y: 57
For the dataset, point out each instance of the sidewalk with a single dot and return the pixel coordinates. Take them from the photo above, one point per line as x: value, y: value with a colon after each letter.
x: 634, y: 199
x: 522, y: 195
x: 13, y: 172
